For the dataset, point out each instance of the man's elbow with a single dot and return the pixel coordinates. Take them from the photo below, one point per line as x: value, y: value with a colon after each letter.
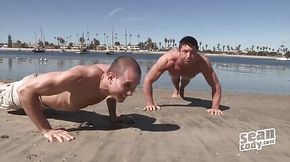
x: 147, y: 81
x: 217, y: 89
x: 24, y: 92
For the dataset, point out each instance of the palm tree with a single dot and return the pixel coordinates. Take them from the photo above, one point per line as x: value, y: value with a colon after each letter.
x: 62, y: 41
x: 173, y: 41
x: 9, y: 43
x: 252, y: 48
x: 138, y: 36
x: 239, y: 47
x: 130, y: 35
x: 165, y: 41
x: 149, y: 45
x: 228, y: 47
x: 104, y: 38
x: 56, y: 38
x: 169, y: 42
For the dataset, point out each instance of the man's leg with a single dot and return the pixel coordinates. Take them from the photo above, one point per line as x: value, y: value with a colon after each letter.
x: 184, y: 83
x: 175, y: 80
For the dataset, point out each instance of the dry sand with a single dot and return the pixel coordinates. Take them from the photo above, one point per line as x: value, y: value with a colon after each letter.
x: 181, y: 131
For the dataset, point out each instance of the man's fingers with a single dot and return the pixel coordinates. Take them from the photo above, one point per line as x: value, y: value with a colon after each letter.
x: 151, y: 108
x: 67, y: 136
x: 215, y: 112
x: 59, y: 138
x: 50, y: 138
x: 60, y: 135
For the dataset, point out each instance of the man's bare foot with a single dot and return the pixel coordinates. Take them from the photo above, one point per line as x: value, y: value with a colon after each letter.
x: 175, y: 94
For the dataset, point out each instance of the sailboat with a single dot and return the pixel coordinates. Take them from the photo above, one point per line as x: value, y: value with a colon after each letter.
x: 82, y: 49
x: 39, y: 47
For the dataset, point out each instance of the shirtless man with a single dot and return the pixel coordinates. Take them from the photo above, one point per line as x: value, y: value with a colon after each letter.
x: 183, y: 64
x: 71, y: 90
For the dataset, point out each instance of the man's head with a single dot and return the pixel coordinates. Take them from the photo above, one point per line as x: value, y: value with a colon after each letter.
x: 188, y: 40
x: 124, y: 75
x: 188, y: 48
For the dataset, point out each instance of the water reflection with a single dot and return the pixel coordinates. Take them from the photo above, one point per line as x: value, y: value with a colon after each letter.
x: 10, y: 64
x: 266, y: 77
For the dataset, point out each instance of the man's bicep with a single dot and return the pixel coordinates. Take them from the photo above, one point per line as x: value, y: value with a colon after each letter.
x: 154, y: 73
x: 210, y: 77
x: 159, y: 67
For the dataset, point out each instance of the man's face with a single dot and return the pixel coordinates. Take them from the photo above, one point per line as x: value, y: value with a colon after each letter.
x: 187, y: 54
x: 125, y: 85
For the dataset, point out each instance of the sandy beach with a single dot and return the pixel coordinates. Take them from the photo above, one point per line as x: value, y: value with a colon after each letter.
x: 181, y: 131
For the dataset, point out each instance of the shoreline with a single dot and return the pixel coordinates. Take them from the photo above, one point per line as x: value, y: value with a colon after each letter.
x: 140, y: 52
x: 242, y: 56
x: 169, y: 89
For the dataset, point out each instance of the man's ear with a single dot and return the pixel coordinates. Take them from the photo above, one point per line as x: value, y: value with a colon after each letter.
x: 111, y: 77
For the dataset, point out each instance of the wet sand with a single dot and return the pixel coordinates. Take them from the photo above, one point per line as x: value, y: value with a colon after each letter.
x: 181, y: 131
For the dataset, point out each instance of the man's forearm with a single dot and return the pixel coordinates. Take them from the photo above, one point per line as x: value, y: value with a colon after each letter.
x: 32, y: 107
x: 112, y: 103
x: 216, y: 97
x: 147, y: 89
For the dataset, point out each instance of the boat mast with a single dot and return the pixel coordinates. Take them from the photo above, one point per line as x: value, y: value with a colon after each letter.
x: 126, y: 39
x: 42, y: 36
x: 35, y: 39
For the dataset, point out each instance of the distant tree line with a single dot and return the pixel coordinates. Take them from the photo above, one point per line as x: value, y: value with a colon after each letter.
x: 150, y: 45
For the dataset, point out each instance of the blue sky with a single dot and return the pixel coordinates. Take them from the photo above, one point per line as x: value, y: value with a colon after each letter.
x: 228, y: 22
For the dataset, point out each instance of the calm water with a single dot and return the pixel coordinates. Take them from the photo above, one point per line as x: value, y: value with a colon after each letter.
x: 235, y: 74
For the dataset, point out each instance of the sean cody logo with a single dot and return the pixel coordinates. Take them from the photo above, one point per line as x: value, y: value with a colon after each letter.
x: 255, y: 140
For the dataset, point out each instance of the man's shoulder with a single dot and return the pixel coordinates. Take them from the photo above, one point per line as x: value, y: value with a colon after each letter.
x: 203, y: 59
x: 103, y: 67
x: 171, y: 55
x: 167, y: 59
x: 85, y: 71
x: 204, y: 63
x: 172, y: 52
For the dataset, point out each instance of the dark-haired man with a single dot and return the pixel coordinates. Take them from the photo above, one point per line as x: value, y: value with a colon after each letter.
x: 71, y: 90
x: 183, y: 64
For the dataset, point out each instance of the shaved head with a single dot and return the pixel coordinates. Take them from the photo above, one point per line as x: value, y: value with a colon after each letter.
x: 122, y: 63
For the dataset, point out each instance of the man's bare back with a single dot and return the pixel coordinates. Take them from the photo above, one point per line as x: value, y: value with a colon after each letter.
x: 72, y: 99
